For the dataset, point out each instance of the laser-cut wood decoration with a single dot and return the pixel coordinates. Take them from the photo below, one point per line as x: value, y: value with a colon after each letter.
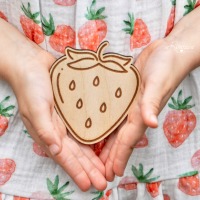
x: 93, y: 91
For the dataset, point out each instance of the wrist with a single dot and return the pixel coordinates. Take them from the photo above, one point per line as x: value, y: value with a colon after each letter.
x: 184, y: 40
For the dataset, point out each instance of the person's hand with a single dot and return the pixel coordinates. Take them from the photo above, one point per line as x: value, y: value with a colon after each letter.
x: 162, y: 65
x: 161, y: 72
x: 27, y: 71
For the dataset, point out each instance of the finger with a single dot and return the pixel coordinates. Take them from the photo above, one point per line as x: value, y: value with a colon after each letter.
x: 106, y: 149
x: 70, y: 163
x: 128, y: 136
x: 153, y: 100
x: 93, y: 158
x: 110, y: 160
x: 41, y: 120
x: 91, y: 155
x: 95, y: 176
x: 126, y: 142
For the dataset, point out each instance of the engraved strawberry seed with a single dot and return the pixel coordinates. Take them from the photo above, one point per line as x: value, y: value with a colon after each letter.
x: 72, y: 85
x: 79, y: 104
x: 103, y: 107
x: 96, y: 81
x: 88, y: 123
x: 118, y: 93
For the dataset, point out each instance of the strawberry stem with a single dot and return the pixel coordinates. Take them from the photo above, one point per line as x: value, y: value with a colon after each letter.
x: 141, y: 177
x: 99, y: 194
x: 93, y: 14
x: 173, y: 2
x: 56, y: 192
x: 130, y: 24
x: 48, y: 27
x: 179, y: 104
x: 4, y: 111
x: 192, y: 173
x: 27, y: 11
x: 101, y: 48
x: 189, y: 7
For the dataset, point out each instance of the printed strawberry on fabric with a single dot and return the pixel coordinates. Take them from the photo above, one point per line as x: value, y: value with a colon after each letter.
x: 189, y: 183
x: 180, y: 122
x: 37, y: 149
x: 3, y: 16
x: 30, y: 24
x: 93, y: 32
x: 60, y: 37
x: 65, y: 2
x: 5, y: 114
x: 7, y: 168
x: 171, y: 19
x: 138, y: 31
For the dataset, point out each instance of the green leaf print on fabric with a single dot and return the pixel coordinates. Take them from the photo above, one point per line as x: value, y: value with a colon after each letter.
x: 56, y: 192
x: 27, y: 11
x: 192, y: 173
x: 192, y: 4
x: 5, y: 114
x: 141, y: 177
x: 99, y: 195
x: 180, y: 122
x: 93, y: 14
x: 102, y: 195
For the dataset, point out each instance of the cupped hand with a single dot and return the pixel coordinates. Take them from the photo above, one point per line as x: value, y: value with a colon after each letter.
x: 161, y: 72
x: 32, y: 87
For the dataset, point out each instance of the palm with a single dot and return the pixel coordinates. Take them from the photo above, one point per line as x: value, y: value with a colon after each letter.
x: 36, y: 106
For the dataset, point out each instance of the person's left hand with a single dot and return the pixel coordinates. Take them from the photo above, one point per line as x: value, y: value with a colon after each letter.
x: 161, y: 72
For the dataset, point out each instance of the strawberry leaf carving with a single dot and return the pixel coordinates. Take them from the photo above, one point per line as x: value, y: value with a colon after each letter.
x: 82, y: 60
x: 124, y: 60
x: 83, y: 64
x: 74, y: 54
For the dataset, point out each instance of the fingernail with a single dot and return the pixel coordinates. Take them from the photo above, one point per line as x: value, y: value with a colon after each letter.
x: 154, y: 119
x: 54, y: 149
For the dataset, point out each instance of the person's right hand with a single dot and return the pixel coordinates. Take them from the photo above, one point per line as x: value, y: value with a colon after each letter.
x: 27, y: 71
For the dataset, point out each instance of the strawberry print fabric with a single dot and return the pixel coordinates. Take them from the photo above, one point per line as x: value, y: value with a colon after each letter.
x: 164, y: 164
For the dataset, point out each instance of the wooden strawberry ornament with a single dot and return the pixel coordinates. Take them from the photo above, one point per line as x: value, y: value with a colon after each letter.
x: 93, y: 91
x: 4, y: 115
x: 180, y: 122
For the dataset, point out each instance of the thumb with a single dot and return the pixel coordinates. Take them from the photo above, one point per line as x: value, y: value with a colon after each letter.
x: 44, y: 128
x: 152, y: 103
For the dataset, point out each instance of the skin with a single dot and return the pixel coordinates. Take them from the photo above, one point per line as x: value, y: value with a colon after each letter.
x: 162, y: 65
x: 27, y: 71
